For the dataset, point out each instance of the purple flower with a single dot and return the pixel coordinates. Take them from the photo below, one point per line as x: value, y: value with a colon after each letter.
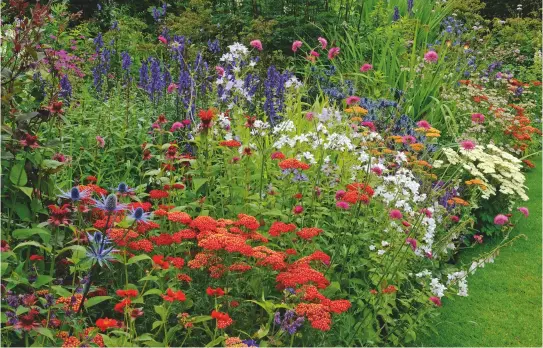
x: 290, y: 322
x: 410, y: 4
x: 65, y: 87
x: 396, y: 15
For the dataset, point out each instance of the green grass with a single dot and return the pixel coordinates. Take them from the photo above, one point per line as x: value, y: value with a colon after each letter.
x: 504, y: 303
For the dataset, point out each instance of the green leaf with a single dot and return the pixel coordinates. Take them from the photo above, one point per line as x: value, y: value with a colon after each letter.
x: 61, y: 291
x: 24, y: 233
x: 198, y: 183
x: 17, y: 175
x: 200, y: 319
x: 156, y: 324
x: 215, y: 342
x: 22, y: 211
x: 32, y: 243
x: 46, y: 332
x: 26, y: 190
x: 153, y: 292
x: 75, y: 248
x: 161, y: 311
x: 42, y: 280
x: 149, y: 277
x: 137, y: 258
x: 144, y: 337
x: 96, y: 300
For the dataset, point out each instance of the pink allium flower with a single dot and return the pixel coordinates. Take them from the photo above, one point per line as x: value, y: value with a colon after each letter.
x: 298, y: 209
x: 162, y: 39
x: 296, y: 45
x: 378, y: 171
x: 219, y: 70
x: 333, y: 52
x: 340, y: 194
x: 100, y: 141
x: 309, y: 116
x: 455, y: 218
x: 172, y: 87
x: 342, y: 205
x: 435, y: 300
x: 467, y: 145
x: 256, y: 44
x: 314, y: 54
x: 395, y: 214
x: 412, y: 242
x: 424, y: 124
x: 323, y: 42
x: 431, y: 57
x: 477, y: 118
x: 478, y: 238
x: 176, y: 126
x: 369, y: 125
x: 366, y: 67
x: 352, y: 100
x: 524, y: 211
x: 501, y: 219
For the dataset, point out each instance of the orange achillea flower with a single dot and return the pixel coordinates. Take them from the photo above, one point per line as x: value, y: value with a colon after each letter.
x: 68, y: 304
x: 390, y: 289
x: 230, y: 143
x: 293, y: 163
x: 356, y: 119
x: 458, y: 200
x: 417, y: 146
x: 158, y: 194
x: 247, y: 221
x: 424, y: 164
x: 203, y: 223
x: 278, y: 228
x: 396, y: 138
x: 178, y: 216
x: 356, y: 110
x: 528, y: 163
x: 360, y: 188
x: 464, y: 82
x: 71, y: 342
x: 308, y: 232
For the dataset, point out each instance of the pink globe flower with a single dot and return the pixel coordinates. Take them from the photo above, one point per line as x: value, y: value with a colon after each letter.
x: 340, y: 194
x: 298, y: 210
x: 478, y: 239
x: 352, y: 100
x: 455, y: 218
x: 176, y: 126
x: 524, y: 211
x: 378, y: 171
x: 436, y: 300
x: 342, y: 205
x: 314, y: 54
x: 369, y: 125
x: 296, y: 45
x: 501, y: 219
x: 162, y: 39
x: 172, y: 87
x: 256, y: 44
x: 412, y: 242
x: 100, y: 141
x: 467, y: 145
x: 366, y: 67
x: 477, y: 118
x: 309, y: 116
x: 395, y: 214
x: 323, y: 42
x: 333, y: 52
x: 424, y: 124
x: 219, y: 70
x: 431, y: 57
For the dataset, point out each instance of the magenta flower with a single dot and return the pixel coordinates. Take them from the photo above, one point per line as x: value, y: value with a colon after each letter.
x: 524, y: 211
x: 323, y: 42
x: 333, y: 52
x: 455, y: 218
x: 478, y: 238
x: 296, y: 45
x: 467, y: 145
x: 176, y: 126
x: 352, y: 100
x: 342, y: 205
x: 172, y: 87
x: 366, y: 67
x: 431, y: 57
x: 314, y: 54
x: 378, y: 171
x: 409, y: 139
x: 501, y: 219
x: 309, y: 116
x: 100, y: 141
x: 435, y: 300
x: 412, y: 242
x: 340, y: 194
x: 369, y: 125
x: 477, y: 118
x: 424, y: 124
x: 219, y: 70
x: 256, y: 44
x: 395, y: 214
x: 162, y: 39
x: 298, y: 210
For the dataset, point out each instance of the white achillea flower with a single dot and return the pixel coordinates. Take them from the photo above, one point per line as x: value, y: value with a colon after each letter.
x: 424, y: 273
x: 385, y: 243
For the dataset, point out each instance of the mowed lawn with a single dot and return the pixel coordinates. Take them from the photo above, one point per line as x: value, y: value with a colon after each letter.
x: 504, y: 303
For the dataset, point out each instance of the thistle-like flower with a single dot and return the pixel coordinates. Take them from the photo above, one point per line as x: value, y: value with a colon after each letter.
x: 99, y: 249
x: 139, y: 214
x: 109, y: 204
x: 123, y: 189
x: 75, y: 194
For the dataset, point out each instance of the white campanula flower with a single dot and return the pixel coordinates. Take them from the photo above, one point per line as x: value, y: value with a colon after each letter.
x: 381, y: 252
x: 372, y: 247
x: 385, y: 243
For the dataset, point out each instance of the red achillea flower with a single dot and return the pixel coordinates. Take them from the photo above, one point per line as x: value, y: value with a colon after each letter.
x: 277, y: 155
x: 36, y: 257
x: 293, y: 163
x: 206, y: 116
x: 290, y: 251
x: 215, y: 292
x: 91, y: 178
x: 146, y: 206
x: 230, y: 143
x: 177, y: 237
x: 239, y: 267
x: 158, y: 194
x: 278, y: 228
x: 105, y: 323
x: 144, y: 227
x: 204, y: 223
x: 181, y: 217
x: 268, y: 257
x: 59, y: 215
x: 308, y: 232
x: 354, y: 197
x: 300, y: 274
x: 177, y: 262
x: 247, y: 221
x: 120, y: 307
x: 184, y: 278
x: 223, y: 319
x: 234, y: 304
x: 172, y: 296
x: 159, y: 261
x: 127, y: 293
x: 71, y: 342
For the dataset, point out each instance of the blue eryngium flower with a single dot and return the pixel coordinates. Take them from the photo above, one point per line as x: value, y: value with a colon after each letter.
x: 109, y: 204
x: 139, y: 215
x: 75, y: 194
x: 123, y: 189
x: 99, y: 249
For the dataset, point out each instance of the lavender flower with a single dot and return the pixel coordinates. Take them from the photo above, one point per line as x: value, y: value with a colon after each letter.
x: 115, y: 25
x: 396, y: 15
x: 410, y: 4
x: 213, y: 46
x: 65, y: 87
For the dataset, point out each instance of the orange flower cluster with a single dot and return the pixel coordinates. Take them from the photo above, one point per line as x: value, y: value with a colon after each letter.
x: 278, y: 228
x: 319, y: 310
x: 293, y: 163
x: 68, y: 304
x: 230, y: 143
x: 308, y: 232
x: 358, y: 192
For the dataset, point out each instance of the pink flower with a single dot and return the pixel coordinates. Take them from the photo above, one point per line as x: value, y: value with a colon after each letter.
x: 524, y: 211
x: 59, y: 157
x: 409, y: 139
x: 155, y: 125
x: 478, y: 238
x: 352, y: 100
x: 342, y: 205
x: 431, y: 57
x: 176, y: 126
x: 256, y: 44
x: 369, y: 125
x: 314, y: 54
x: 333, y: 52
x: 501, y: 219
x: 172, y: 87
x: 296, y: 45
x: 219, y: 70
x: 186, y: 122
x: 323, y: 42
x: 162, y: 39
x: 424, y: 124
x: 412, y: 242
x: 395, y: 214
x: 309, y: 116
x: 426, y: 212
x: 378, y: 171
x: 100, y: 141
x: 366, y: 67
x: 298, y: 209
x: 340, y: 194
x: 467, y: 145
x: 477, y: 118
x: 435, y: 300
x: 455, y: 218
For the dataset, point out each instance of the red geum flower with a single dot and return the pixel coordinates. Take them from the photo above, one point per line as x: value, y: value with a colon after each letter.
x: 436, y: 300
x: 127, y: 293
x: 35, y: 257
x: 105, y: 323
x: 215, y: 292
x: 174, y: 296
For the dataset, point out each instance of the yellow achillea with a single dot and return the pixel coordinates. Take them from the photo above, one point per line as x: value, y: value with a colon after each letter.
x: 388, y: 151
x: 417, y: 147
x: 433, y: 133
x: 459, y: 201
x: 356, y: 110
x: 356, y: 119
